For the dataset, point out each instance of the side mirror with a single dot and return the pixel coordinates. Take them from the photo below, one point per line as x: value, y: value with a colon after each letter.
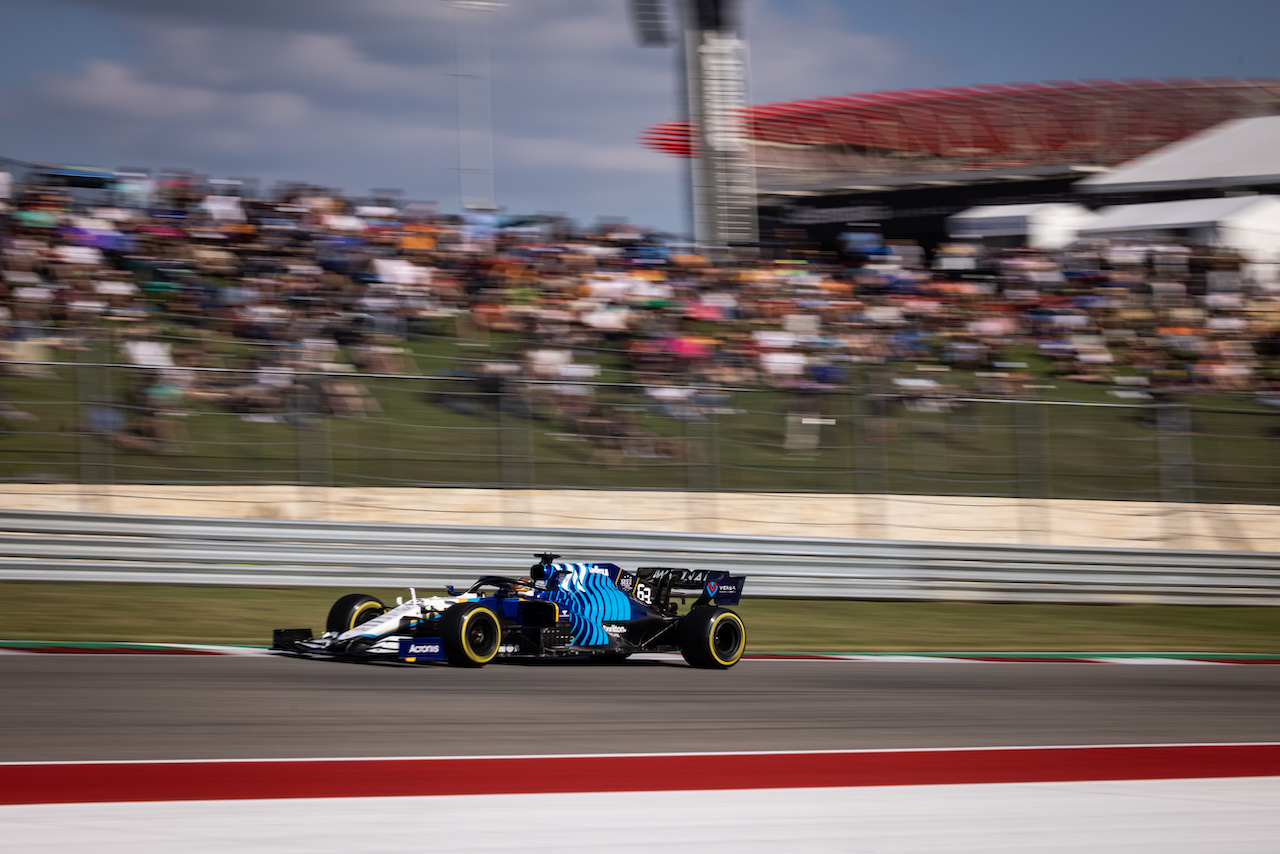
x: 449, y: 589
x: 538, y: 572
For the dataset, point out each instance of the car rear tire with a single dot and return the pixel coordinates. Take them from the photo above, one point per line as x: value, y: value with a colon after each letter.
x: 352, y: 610
x: 470, y: 634
x: 712, y: 638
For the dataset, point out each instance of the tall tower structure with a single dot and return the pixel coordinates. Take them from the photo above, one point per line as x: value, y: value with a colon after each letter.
x: 713, y: 65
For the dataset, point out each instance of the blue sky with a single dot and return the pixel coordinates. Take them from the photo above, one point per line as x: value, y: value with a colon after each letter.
x: 357, y: 93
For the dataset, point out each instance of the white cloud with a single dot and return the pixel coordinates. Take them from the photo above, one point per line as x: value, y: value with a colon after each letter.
x: 324, y: 65
x: 110, y: 95
x: 580, y: 156
x: 811, y: 50
x: 359, y: 94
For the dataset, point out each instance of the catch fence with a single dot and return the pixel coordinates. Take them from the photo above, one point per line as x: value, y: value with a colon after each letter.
x: 99, y: 423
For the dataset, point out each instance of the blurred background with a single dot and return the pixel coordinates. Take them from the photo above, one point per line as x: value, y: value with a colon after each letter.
x: 1022, y: 313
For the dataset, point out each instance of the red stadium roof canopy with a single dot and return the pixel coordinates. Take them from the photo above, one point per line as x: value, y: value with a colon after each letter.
x: 1100, y: 122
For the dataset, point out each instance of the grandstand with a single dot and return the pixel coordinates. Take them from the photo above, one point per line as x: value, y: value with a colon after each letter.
x: 909, y: 159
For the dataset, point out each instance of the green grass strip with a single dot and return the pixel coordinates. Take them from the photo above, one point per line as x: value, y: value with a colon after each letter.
x: 79, y: 644
x: 144, y: 613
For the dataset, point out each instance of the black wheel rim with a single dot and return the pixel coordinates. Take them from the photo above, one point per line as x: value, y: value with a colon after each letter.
x: 726, y: 638
x: 481, y: 635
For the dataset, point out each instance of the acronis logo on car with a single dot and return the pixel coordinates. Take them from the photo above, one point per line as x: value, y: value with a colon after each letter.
x: 412, y: 649
x: 423, y: 648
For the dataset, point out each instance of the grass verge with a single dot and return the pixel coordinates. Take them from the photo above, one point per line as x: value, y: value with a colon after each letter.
x: 246, y: 615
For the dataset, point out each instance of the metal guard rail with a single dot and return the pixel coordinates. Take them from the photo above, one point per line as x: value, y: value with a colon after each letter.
x: 44, y: 546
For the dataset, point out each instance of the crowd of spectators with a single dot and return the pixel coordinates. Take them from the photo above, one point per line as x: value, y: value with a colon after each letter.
x: 327, y: 294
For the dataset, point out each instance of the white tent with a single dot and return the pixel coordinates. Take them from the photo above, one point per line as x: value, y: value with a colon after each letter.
x: 1237, y: 153
x: 1041, y: 226
x: 337, y: 222
x: 1249, y: 225
x: 223, y: 208
x: 376, y: 211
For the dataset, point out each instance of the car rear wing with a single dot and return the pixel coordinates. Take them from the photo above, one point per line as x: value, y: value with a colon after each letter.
x: 654, y: 585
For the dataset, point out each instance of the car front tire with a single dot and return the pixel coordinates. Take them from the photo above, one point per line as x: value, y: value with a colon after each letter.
x: 352, y: 610
x: 470, y: 634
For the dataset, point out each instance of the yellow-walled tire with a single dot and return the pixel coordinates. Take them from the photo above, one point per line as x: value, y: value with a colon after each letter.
x: 470, y: 634
x: 352, y: 610
x: 712, y: 638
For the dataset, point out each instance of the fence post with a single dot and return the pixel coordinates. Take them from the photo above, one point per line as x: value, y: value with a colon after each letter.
x: 853, y: 436
x: 710, y: 430
x: 699, y: 465
x: 314, y: 440
x: 93, y: 378
x: 710, y: 497
x: 515, y: 456
x: 1031, y: 449
x: 1177, y: 469
x: 97, y: 379
x: 871, y: 448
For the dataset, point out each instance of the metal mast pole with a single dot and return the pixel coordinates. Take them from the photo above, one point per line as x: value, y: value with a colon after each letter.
x: 475, y: 114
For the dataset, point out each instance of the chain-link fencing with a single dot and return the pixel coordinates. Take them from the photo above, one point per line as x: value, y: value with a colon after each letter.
x: 115, y: 424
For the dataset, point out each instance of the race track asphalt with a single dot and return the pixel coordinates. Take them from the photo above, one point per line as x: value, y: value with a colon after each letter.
x: 144, y: 707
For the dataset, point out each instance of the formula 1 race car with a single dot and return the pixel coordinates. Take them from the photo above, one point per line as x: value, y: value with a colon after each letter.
x: 560, y: 610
